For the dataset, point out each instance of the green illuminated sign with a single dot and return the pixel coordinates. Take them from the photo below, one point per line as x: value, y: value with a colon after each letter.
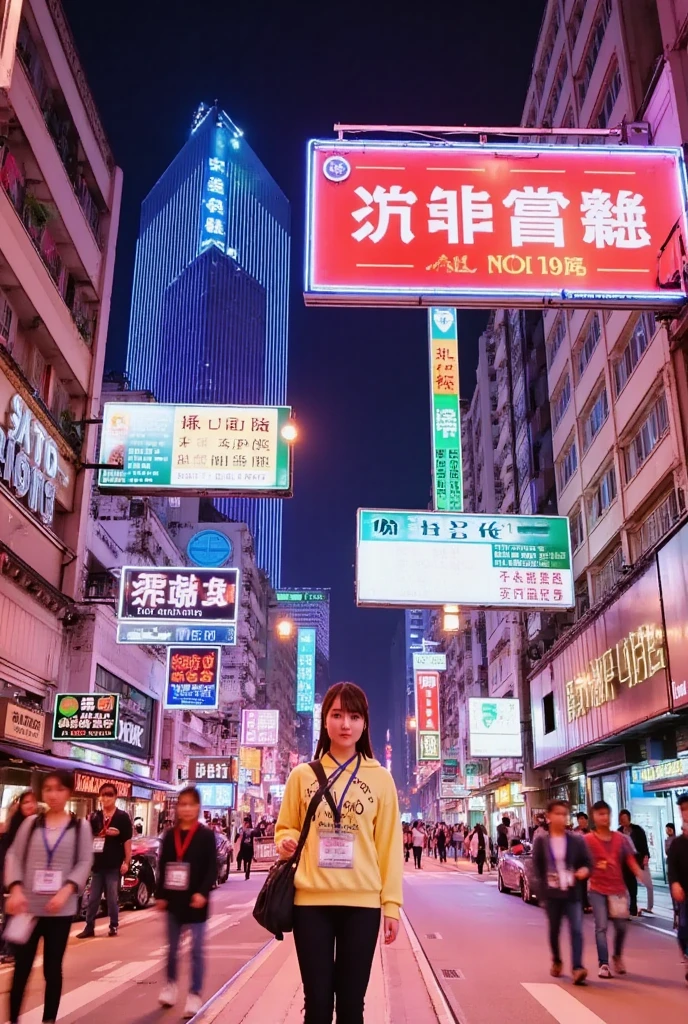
x: 447, y: 470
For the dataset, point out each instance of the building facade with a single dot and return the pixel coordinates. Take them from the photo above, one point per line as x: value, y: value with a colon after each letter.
x: 59, y: 210
x: 211, y: 285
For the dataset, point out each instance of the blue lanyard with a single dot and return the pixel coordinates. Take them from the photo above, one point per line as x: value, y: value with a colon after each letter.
x: 50, y: 852
x: 340, y: 771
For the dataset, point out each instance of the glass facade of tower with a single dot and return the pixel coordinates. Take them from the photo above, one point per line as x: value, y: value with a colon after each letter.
x: 210, y: 299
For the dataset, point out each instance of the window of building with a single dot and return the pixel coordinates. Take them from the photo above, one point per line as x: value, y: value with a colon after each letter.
x: 568, y: 464
x: 557, y: 89
x: 609, y: 98
x: 582, y: 595
x: 561, y: 400
x: 575, y: 21
x: 577, y: 532
x: 602, y: 497
x: 609, y: 575
x: 642, y: 335
x: 556, y: 336
x: 59, y: 401
x: 591, y: 54
x: 597, y: 415
x: 548, y: 712
x: 655, y: 525
x: 5, y: 323
x: 589, y: 343
x: 650, y: 433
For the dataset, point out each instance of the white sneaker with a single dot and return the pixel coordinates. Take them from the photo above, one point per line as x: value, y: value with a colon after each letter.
x: 168, y: 994
x: 193, y: 1005
x: 604, y: 971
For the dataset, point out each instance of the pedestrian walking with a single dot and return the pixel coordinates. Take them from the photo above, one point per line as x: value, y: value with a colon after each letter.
x: 245, y: 836
x: 610, y: 852
x: 351, y: 867
x: 441, y: 841
x: 46, y: 868
x: 561, y: 862
x: 478, y: 846
x: 21, y: 809
x: 637, y: 837
x: 456, y: 841
x: 187, y: 873
x: 582, y: 829
x: 670, y: 830
x: 503, y: 834
x: 418, y: 841
x: 112, y: 833
x: 677, y: 869
x: 408, y: 842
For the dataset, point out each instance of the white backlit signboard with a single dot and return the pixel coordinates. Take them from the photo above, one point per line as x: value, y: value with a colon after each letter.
x: 495, y: 726
x: 416, y: 559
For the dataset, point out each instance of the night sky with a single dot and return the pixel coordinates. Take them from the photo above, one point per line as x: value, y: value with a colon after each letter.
x: 285, y: 73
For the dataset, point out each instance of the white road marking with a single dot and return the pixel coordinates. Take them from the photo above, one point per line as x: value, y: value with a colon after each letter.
x: 92, y: 990
x: 564, y: 1007
x: 662, y: 931
x: 107, y: 967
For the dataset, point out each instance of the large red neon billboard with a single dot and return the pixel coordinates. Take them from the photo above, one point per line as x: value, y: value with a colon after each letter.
x: 466, y: 225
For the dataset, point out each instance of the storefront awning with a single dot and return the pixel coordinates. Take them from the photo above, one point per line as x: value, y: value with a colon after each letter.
x: 502, y: 780
x: 667, y: 785
x: 42, y: 760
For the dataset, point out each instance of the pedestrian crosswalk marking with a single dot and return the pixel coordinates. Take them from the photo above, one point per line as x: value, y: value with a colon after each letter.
x: 564, y: 1007
x: 107, y: 967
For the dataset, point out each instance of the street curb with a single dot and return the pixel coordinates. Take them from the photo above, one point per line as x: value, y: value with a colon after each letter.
x: 444, y: 1012
x: 244, y: 974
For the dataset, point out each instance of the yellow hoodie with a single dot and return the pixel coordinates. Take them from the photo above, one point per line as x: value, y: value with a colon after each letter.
x: 371, y: 812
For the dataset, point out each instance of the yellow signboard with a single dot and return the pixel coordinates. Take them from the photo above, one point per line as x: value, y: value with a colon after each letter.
x: 249, y: 757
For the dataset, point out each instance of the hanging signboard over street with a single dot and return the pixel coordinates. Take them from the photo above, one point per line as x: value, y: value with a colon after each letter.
x: 416, y: 559
x: 235, y: 450
x: 177, y: 605
x: 398, y: 223
x: 494, y: 726
x: 193, y: 679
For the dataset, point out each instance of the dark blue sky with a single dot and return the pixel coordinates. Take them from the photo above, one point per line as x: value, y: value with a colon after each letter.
x: 285, y: 73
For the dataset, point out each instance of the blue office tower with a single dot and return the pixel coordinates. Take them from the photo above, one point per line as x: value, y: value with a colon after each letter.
x: 210, y: 299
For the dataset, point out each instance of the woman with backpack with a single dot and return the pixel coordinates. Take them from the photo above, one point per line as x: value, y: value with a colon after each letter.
x: 47, y: 867
x: 351, y: 867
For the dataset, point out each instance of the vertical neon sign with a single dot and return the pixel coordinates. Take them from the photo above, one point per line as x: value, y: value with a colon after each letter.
x: 215, y: 188
x: 447, y: 470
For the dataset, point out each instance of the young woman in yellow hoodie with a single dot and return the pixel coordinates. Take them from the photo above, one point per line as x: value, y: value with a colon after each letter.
x: 351, y: 867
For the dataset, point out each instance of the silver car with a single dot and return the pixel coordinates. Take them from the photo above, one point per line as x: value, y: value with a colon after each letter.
x: 515, y: 873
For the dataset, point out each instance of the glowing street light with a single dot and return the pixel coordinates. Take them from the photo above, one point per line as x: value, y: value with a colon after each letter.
x: 284, y: 629
x: 411, y: 723
x: 451, y: 622
x: 290, y: 431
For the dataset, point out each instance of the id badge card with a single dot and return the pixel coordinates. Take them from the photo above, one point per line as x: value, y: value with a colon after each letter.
x: 47, y: 881
x: 553, y: 880
x: 177, y: 875
x: 336, y: 849
x: 98, y: 844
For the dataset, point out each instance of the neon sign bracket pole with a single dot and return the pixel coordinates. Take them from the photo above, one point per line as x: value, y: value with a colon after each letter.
x: 475, y: 130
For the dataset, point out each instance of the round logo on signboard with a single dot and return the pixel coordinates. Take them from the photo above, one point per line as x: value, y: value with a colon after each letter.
x: 209, y: 548
x: 336, y: 168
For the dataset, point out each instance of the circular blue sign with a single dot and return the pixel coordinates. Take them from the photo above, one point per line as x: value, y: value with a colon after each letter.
x: 336, y: 168
x: 209, y: 548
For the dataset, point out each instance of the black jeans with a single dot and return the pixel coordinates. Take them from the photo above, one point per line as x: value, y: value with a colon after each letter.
x: 480, y: 860
x: 247, y: 857
x: 442, y: 850
x: 335, y: 948
x: 55, y: 932
x: 632, y: 886
x: 417, y: 854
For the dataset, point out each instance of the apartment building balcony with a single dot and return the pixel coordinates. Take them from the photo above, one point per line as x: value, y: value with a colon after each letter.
x: 599, y: 450
x: 652, y: 477
x: 641, y: 381
x: 101, y: 588
x: 503, y: 440
x: 500, y: 349
x: 655, y: 526
x: 605, y: 530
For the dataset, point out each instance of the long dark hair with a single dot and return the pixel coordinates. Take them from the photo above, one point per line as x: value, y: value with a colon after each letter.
x: 352, y: 699
x: 18, y: 818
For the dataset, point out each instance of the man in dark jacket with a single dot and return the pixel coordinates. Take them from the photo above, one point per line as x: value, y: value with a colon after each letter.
x: 677, y: 863
x: 560, y: 862
x: 503, y: 835
x: 187, y: 873
x: 638, y: 840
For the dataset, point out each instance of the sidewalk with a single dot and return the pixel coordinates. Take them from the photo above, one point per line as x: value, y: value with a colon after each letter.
x: 268, y: 990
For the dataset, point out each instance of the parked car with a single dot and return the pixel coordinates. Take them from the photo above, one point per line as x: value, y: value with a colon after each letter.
x: 137, y: 887
x: 515, y: 873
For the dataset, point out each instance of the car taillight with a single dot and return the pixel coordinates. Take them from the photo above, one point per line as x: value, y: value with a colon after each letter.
x: 128, y: 882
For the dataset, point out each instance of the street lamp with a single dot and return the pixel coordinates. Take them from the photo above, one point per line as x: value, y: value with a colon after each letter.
x: 411, y: 723
x: 290, y: 431
x: 284, y: 629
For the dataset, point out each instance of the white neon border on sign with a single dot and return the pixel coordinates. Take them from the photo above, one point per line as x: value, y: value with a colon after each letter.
x: 674, y: 298
x: 208, y: 624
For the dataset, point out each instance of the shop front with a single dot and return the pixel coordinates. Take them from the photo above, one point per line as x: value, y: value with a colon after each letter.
x: 600, y: 703
x: 509, y: 802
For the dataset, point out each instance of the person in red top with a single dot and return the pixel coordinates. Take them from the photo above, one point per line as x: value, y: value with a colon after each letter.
x: 610, y: 852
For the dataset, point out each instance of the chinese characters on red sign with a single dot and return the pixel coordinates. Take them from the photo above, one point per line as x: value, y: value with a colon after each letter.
x: 514, y: 225
x: 193, y: 676
x: 428, y: 715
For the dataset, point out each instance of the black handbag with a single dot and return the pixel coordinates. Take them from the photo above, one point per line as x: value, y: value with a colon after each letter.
x: 274, y: 908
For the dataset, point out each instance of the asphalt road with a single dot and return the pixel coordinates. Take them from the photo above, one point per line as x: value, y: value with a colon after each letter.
x: 119, y: 979
x: 497, y: 945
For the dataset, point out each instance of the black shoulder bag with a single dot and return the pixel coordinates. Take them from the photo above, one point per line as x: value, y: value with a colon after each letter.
x: 274, y: 908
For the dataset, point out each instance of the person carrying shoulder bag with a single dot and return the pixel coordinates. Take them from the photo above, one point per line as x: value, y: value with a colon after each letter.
x: 46, y: 869
x: 351, y: 865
